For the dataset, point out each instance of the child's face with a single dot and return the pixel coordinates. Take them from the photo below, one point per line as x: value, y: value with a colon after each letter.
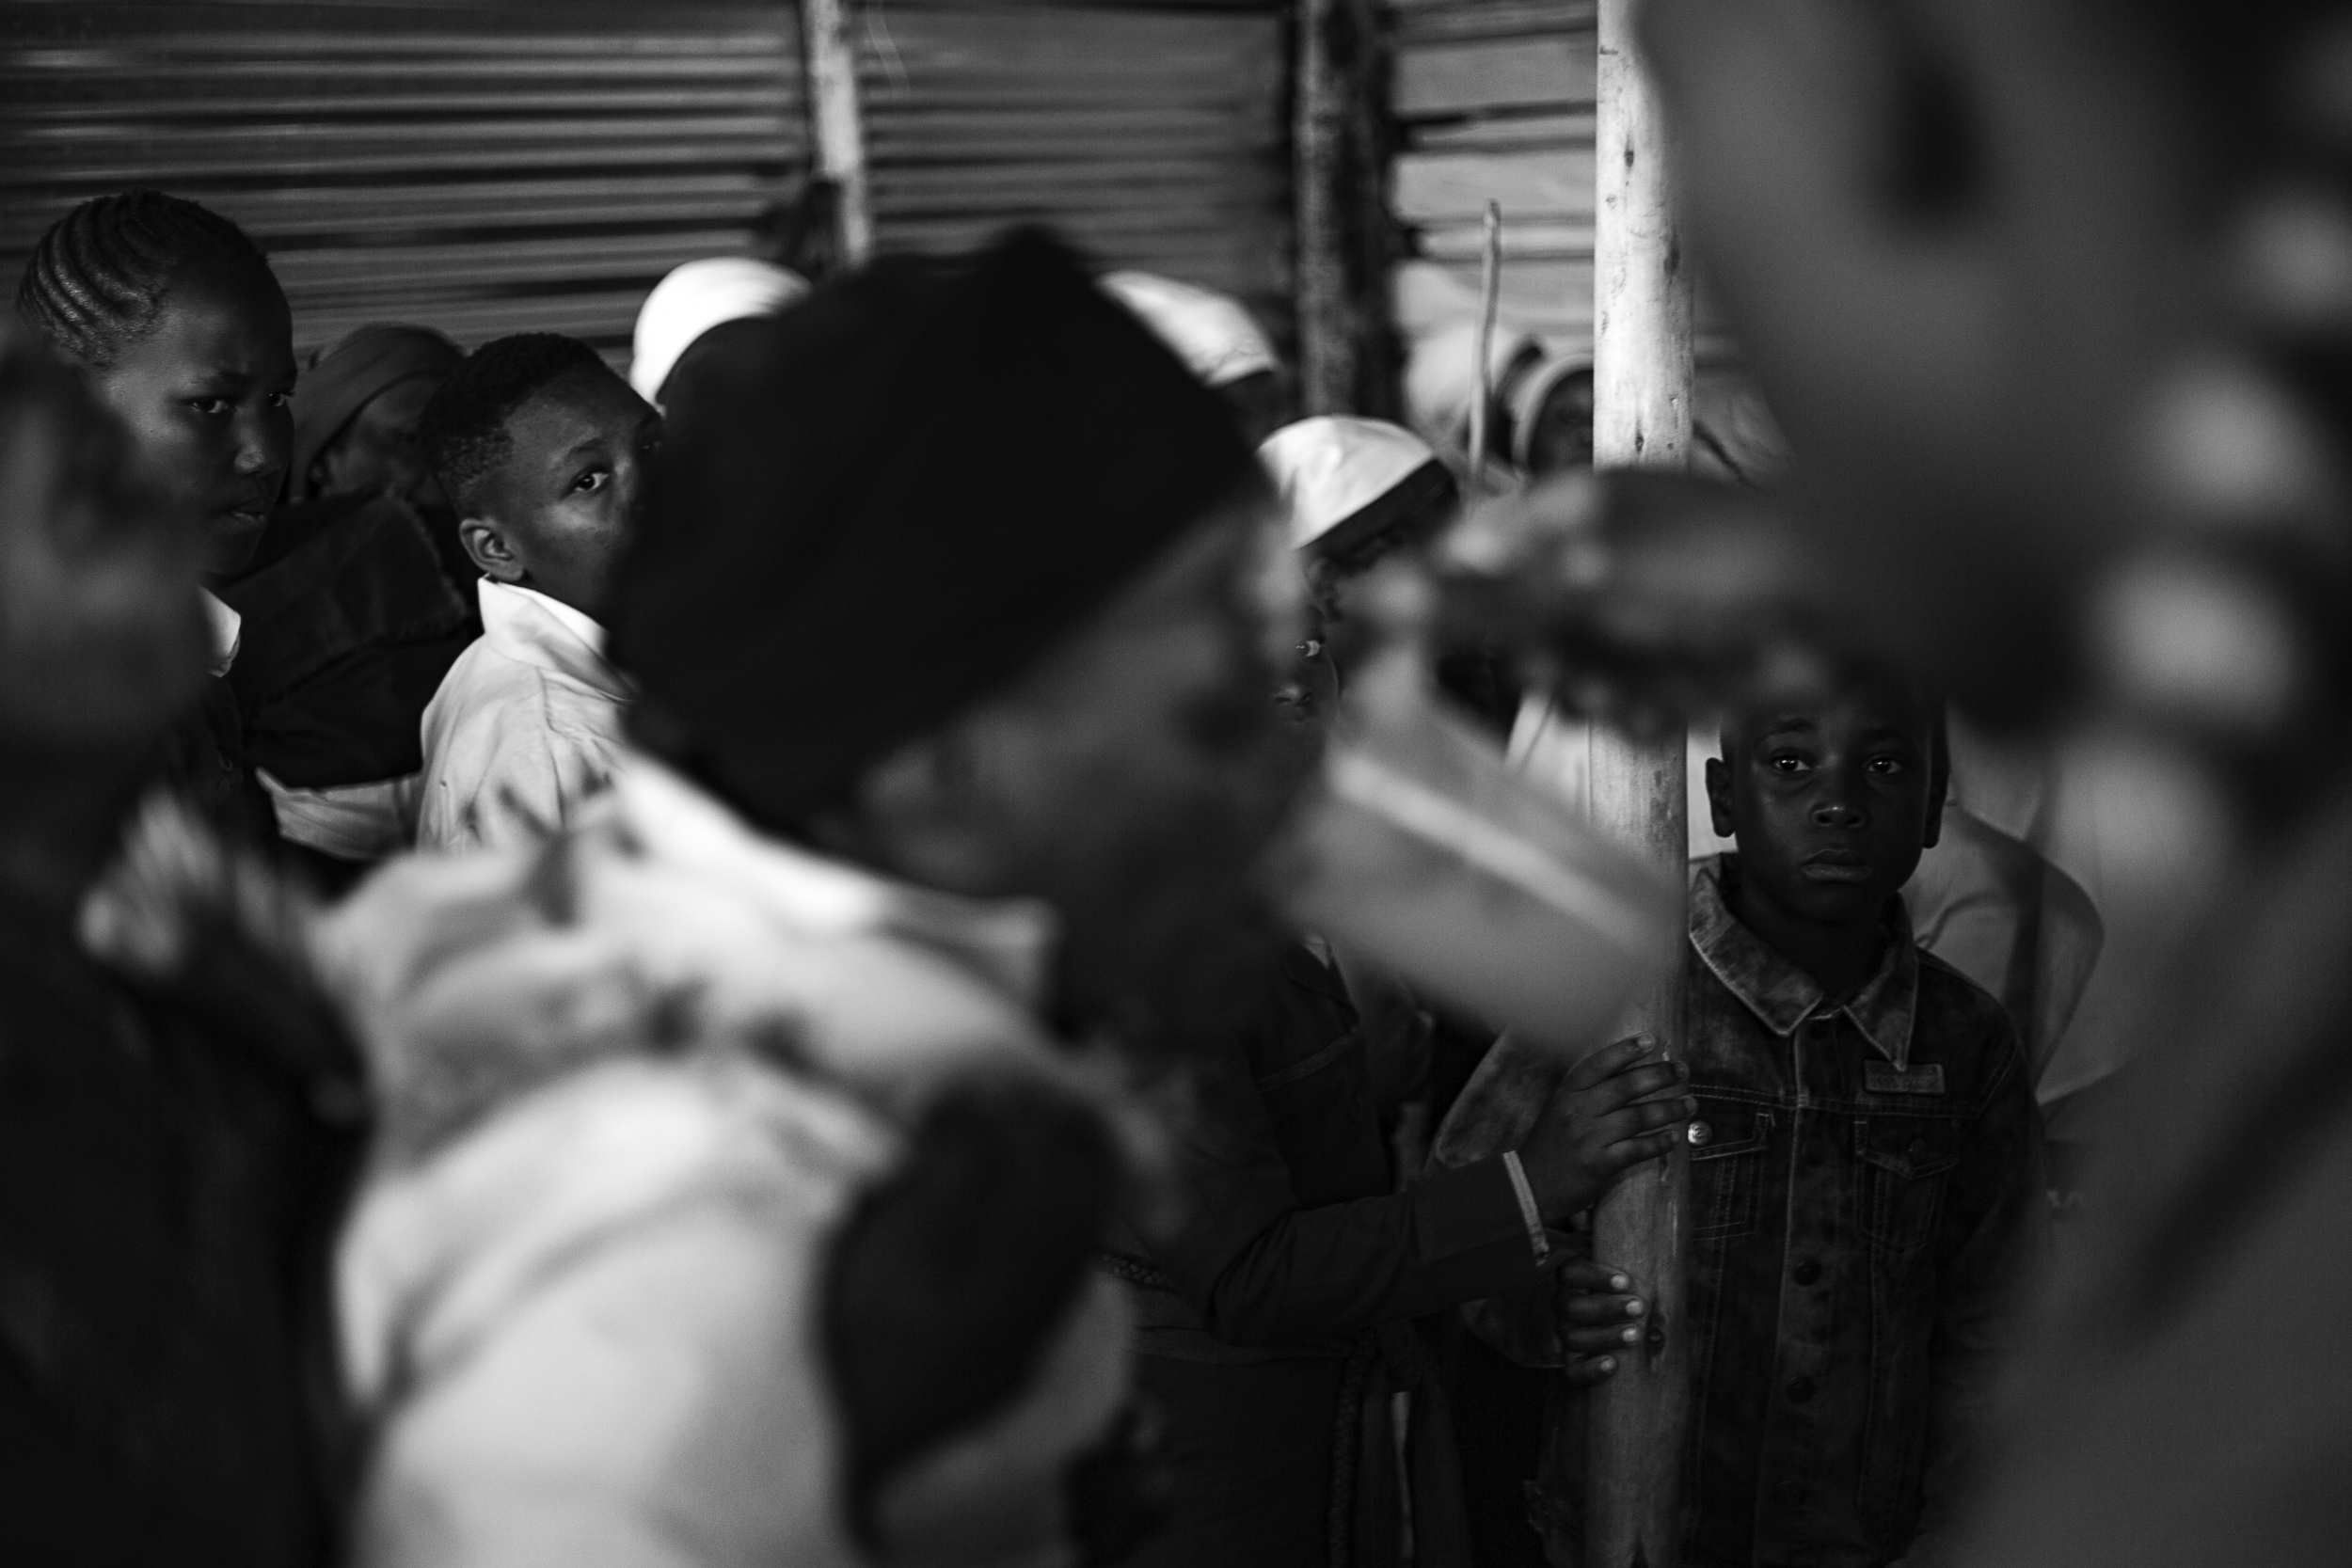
x: 207, y: 396
x: 1832, y: 799
x: 380, y: 449
x: 561, y: 508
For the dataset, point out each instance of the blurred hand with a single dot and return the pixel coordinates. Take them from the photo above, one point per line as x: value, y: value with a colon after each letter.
x: 1637, y: 598
x: 1612, y: 1112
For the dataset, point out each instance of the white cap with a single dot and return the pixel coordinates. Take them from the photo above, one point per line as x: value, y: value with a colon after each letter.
x: 1210, y: 332
x: 1335, y: 467
x: 694, y: 300
x: 1442, y: 378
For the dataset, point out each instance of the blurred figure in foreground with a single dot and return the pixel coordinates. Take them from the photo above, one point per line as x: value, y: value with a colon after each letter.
x: 1277, y: 1323
x: 738, y: 1193
x: 2051, y: 300
x: 1218, y: 342
x: 180, y: 1114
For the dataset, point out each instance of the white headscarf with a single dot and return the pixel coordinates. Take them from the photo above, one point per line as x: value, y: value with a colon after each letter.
x: 1441, y: 379
x: 1330, y: 467
x: 694, y: 300
x: 1211, y: 333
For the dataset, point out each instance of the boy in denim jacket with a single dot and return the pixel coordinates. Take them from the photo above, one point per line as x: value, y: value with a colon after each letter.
x: 1866, y: 1176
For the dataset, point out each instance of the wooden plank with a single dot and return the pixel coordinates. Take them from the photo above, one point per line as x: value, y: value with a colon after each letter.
x: 1642, y: 385
x: 1519, y: 133
x: 836, y: 125
x: 1517, y: 72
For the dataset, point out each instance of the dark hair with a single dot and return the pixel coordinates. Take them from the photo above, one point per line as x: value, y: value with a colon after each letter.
x: 98, y: 280
x: 465, y: 425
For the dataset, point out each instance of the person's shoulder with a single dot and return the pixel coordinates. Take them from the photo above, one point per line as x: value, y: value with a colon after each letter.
x: 1969, y: 1025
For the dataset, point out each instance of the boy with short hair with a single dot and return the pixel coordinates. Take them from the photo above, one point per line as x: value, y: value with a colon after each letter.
x: 1867, y: 1187
x: 543, y: 451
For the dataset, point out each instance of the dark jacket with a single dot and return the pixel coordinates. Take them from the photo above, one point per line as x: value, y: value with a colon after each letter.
x: 349, y: 627
x: 1867, y: 1193
x: 174, y: 1154
x: 1297, y: 1247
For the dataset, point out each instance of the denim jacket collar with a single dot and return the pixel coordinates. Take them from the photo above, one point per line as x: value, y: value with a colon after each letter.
x: 1781, y: 995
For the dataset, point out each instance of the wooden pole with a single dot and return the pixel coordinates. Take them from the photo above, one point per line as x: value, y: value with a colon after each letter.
x: 1489, y: 304
x: 1642, y: 375
x: 1339, y: 176
x: 837, y: 128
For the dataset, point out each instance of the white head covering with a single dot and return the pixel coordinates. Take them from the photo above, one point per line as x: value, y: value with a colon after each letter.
x: 1210, y: 332
x: 1441, y: 379
x: 1527, y: 400
x: 1333, y: 467
x: 694, y: 300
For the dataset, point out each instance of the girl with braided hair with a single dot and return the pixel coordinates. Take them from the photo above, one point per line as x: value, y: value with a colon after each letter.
x: 336, y: 622
x: 182, y: 331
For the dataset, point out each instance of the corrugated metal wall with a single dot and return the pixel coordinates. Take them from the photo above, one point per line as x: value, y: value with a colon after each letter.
x: 1156, y: 139
x: 1494, y: 100
x: 540, y: 165
x: 482, y: 168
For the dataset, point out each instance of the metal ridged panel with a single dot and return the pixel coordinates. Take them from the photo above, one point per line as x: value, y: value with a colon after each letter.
x: 1494, y: 100
x: 483, y: 169
x: 1156, y: 139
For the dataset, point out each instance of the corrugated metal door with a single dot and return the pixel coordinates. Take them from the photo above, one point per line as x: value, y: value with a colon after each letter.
x: 482, y: 168
x: 1157, y: 139
x: 1494, y: 100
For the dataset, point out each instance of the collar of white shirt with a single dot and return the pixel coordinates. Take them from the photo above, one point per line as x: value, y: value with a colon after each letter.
x: 531, y: 628
x: 228, y: 633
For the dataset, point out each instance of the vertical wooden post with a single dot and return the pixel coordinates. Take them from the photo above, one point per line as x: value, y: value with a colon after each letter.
x: 1642, y: 373
x: 838, y: 127
x: 1340, y: 203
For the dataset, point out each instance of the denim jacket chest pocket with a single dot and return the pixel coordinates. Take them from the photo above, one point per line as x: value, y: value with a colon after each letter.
x: 1902, y: 1166
x: 1727, y: 1147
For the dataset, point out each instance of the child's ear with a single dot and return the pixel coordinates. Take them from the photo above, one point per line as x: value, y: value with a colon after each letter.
x: 1718, y: 798
x: 487, y: 543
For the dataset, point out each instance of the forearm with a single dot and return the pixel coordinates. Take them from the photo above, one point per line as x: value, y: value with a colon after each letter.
x: 1458, y: 1235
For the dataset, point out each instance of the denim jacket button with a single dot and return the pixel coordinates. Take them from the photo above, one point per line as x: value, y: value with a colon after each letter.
x: 1799, y: 1390
x: 1700, y: 1132
x: 1807, y: 1271
x: 1918, y: 1150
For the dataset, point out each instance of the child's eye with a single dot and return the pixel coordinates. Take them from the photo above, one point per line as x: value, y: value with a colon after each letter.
x: 1886, y: 767
x: 280, y: 399
x: 211, y: 407
x: 1785, y: 761
x: 593, y: 480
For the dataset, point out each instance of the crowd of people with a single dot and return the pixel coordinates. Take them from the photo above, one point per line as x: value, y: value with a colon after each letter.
x: 696, y: 966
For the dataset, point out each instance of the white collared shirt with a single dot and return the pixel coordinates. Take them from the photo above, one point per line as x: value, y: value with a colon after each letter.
x: 527, y: 724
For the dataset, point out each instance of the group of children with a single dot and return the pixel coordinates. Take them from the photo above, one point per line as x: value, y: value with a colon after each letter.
x: 413, y: 558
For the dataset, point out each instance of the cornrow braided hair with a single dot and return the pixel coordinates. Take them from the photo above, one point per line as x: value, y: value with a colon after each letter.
x: 98, y: 280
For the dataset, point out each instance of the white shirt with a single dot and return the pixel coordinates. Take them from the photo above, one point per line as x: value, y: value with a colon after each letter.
x: 527, y: 724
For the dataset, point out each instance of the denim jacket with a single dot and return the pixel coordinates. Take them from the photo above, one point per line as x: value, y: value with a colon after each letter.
x: 1866, y: 1193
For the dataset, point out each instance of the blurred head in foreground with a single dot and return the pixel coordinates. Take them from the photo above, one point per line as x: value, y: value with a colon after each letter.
x: 178, y: 321
x: 102, y: 641
x: 1218, y: 342
x: 883, y: 606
